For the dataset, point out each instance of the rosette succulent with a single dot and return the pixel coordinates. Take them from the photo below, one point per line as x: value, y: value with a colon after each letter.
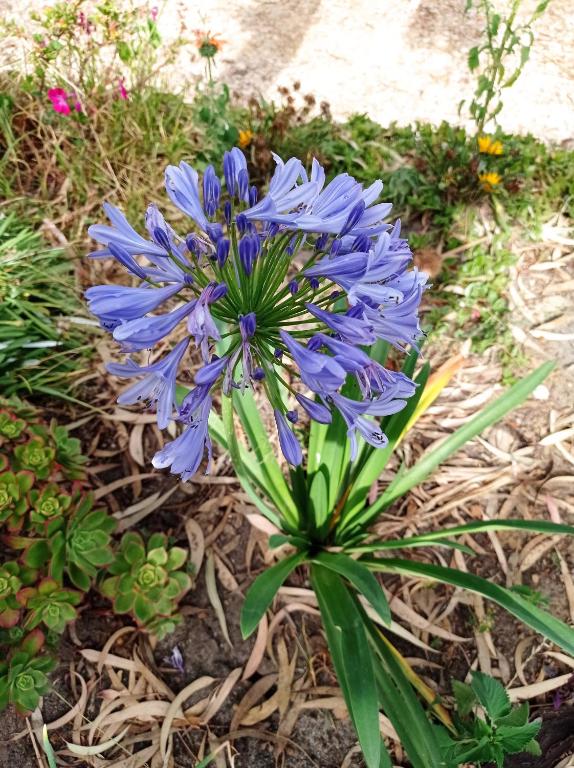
x: 47, y: 504
x: 68, y: 450
x: 148, y: 582
x: 11, y: 427
x: 280, y: 292
x: 10, y: 584
x: 36, y: 456
x: 23, y: 680
x: 49, y: 604
x: 13, y: 502
x: 78, y: 544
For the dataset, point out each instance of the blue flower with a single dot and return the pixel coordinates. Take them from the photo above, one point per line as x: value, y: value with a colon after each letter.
x: 304, y: 277
x: 114, y: 304
x: 145, y: 332
x: 321, y: 373
x: 200, y: 323
x: 317, y: 411
x: 397, y: 323
x: 235, y: 174
x: 353, y: 412
x: 158, y: 384
x: 290, y: 446
x: 123, y: 234
x: 184, y: 454
x: 284, y: 196
x: 209, y: 373
x: 211, y: 191
x: 355, y: 330
x: 182, y: 186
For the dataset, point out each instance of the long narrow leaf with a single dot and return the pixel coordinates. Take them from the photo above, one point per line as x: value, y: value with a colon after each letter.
x: 264, y: 589
x: 275, y: 485
x: 541, y: 621
x: 351, y: 658
x: 489, y: 415
x: 360, y: 577
x: 237, y: 457
x: 425, y: 539
x: 403, y: 708
x: 377, y: 458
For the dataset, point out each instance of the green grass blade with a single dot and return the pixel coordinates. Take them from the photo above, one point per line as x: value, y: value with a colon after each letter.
x: 489, y: 415
x: 481, y: 526
x: 264, y: 589
x: 535, y: 618
x: 360, y: 577
x: 352, y: 659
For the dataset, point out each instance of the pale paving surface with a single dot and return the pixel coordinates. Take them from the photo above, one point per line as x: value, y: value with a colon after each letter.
x: 393, y: 59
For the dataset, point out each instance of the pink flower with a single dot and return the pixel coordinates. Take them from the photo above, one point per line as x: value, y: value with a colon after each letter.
x: 63, y: 102
x: 153, y: 13
x: 59, y: 99
x: 122, y: 90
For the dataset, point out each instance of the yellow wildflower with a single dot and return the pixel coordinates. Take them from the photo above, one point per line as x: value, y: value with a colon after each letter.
x: 489, y: 147
x: 489, y: 180
x: 245, y: 138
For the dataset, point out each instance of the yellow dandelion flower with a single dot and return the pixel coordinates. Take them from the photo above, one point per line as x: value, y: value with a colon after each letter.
x: 245, y: 138
x: 489, y: 147
x: 489, y: 180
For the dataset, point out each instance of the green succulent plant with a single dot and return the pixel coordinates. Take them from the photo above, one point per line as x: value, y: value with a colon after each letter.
x: 49, y: 604
x: 23, y: 674
x: 11, y: 427
x: 68, y: 450
x: 10, y: 584
x: 78, y: 544
x: 148, y: 582
x: 23, y: 679
x: 13, y: 502
x: 48, y: 504
x: 36, y: 456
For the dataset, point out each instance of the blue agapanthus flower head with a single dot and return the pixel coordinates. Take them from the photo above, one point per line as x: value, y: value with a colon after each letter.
x: 283, y: 292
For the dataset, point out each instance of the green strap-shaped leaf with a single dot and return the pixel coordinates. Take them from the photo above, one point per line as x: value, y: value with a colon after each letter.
x: 541, y: 621
x: 275, y: 485
x: 264, y: 589
x: 438, y: 537
x: 360, y: 577
x: 376, y: 459
x: 352, y: 659
x: 489, y: 415
x: 237, y: 457
x: 403, y: 708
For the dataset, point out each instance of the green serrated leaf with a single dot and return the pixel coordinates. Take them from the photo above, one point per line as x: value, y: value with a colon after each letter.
x: 514, y: 738
x: 465, y: 698
x: 491, y: 694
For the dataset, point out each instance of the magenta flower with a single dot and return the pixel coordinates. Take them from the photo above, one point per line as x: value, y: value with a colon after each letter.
x: 153, y: 13
x: 59, y: 99
x: 122, y: 90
